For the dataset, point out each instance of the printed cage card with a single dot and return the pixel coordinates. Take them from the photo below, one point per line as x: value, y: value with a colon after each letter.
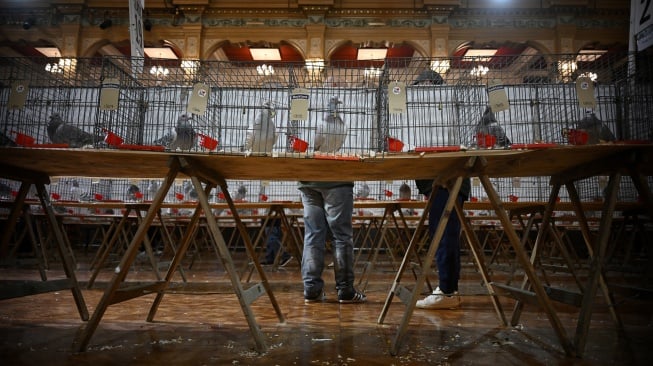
x: 585, y: 92
x: 109, y: 95
x: 397, y: 97
x: 18, y: 95
x: 199, y: 99
x: 497, y: 96
x: 299, y: 104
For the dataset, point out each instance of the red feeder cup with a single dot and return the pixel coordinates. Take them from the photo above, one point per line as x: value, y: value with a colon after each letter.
x: 111, y: 138
x: 485, y: 140
x: 298, y: 145
x: 207, y: 142
x: 23, y: 139
x: 394, y: 145
x: 577, y: 137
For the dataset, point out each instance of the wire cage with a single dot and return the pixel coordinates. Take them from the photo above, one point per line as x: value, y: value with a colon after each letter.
x: 249, y: 107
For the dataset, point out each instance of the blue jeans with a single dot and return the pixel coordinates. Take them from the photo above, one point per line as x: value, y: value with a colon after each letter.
x: 447, y: 256
x: 327, y: 209
x: 273, y: 243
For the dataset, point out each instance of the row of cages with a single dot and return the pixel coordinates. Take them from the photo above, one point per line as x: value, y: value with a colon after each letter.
x: 64, y: 190
x: 392, y: 105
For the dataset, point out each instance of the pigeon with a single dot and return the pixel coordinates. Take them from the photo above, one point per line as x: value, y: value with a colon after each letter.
x: 331, y: 132
x: 404, y: 192
x: 363, y: 192
x: 489, y: 126
x: 241, y: 193
x: 152, y: 189
x: 261, y: 133
x: 189, y: 191
x: 132, y: 192
x: 60, y: 132
x: 597, y: 131
x: 182, y: 137
x: 428, y: 77
x: 5, y: 190
x: 6, y: 141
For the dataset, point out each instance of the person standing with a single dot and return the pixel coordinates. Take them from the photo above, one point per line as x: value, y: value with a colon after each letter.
x: 273, y: 244
x: 447, y: 256
x: 328, y: 206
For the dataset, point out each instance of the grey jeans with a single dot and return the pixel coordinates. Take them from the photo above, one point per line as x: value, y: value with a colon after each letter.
x: 327, y: 209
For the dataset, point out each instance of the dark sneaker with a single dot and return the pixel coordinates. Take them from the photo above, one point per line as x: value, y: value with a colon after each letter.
x: 319, y: 298
x: 351, y: 297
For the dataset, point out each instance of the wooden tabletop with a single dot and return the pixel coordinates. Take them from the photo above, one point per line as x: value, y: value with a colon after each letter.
x: 148, y: 164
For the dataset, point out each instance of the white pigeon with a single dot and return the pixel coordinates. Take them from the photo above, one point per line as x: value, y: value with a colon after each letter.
x: 331, y: 131
x: 262, y: 132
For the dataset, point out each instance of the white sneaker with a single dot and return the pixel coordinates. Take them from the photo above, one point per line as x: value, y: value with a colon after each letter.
x: 438, y: 300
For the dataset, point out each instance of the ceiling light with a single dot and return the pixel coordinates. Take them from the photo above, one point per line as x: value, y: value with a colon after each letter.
x: 371, y: 53
x: 589, y: 55
x: 480, y: 54
x: 49, y: 51
x: 265, y: 54
x: 160, y: 52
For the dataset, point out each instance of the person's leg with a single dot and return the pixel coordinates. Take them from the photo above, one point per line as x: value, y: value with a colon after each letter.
x: 447, y: 256
x: 339, y: 205
x: 273, y: 242
x: 315, y: 229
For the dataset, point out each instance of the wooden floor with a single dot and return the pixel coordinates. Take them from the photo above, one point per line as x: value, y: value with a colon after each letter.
x: 201, y: 323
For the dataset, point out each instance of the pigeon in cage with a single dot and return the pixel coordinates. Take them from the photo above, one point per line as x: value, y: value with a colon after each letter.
x: 593, y: 128
x: 489, y: 126
x: 181, y: 137
x: 6, y: 141
x: 241, y: 193
x: 404, y: 192
x: 152, y: 189
x: 331, y: 131
x: 428, y: 77
x: 5, y: 190
x: 61, y: 132
x: 189, y: 191
x: 363, y: 191
x: 133, y: 192
x: 262, y: 132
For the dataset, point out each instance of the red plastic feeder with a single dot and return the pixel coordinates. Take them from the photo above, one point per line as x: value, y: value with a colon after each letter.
x: 298, y: 145
x: 263, y: 197
x: 55, y: 196
x: 485, y: 140
x: 98, y: 197
x: 111, y: 138
x: 394, y: 145
x: 23, y: 139
x: 577, y: 137
x: 179, y: 196
x: 207, y: 142
x: 138, y: 195
x: 513, y: 198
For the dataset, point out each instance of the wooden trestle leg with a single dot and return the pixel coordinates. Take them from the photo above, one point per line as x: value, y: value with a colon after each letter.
x: 114, y: 294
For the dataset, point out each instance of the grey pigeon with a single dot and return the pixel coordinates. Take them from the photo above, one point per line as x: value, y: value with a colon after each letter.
x: 241, y: 193
x: 489, y: 126
x: 61, y: 132
x: 428, y: 77
x: 597, y: 131
x: 331, y: 131
x: 189, y: 191
x: 363, y: 192
x: 132, y: 191
x: 152, y: 189
x: 5, y: 190
x: 6, y: 141
x: 261, y: 133
x: 404, y: 192
x: 182, y: 137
